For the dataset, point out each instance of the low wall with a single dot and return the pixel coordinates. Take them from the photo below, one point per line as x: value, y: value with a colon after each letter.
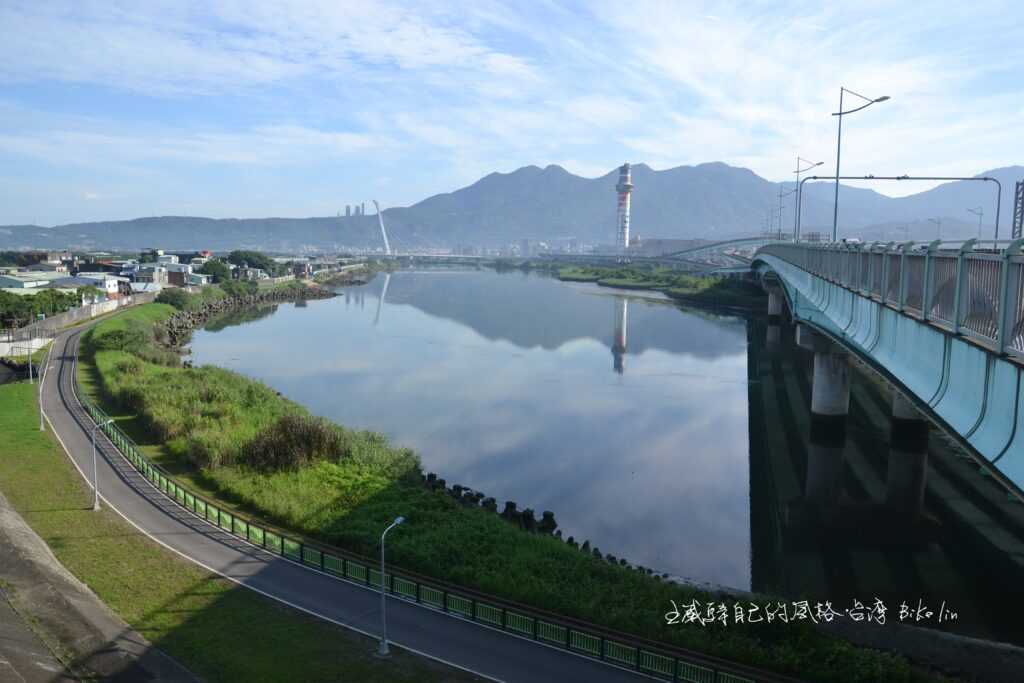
x: 975, y: 392
x: 20, y: 348
x: 50, y: 326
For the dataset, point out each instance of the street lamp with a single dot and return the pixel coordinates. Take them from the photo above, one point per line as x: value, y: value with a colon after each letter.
x: 979, y: 213
x: 796, y: 209
x: 938, y: 225
x: 839, y: 142
x: 383, y: 651
x: 95, y: 477
x: 781, y: 195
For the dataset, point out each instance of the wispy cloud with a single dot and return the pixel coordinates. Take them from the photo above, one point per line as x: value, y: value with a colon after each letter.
x: 432, y: 95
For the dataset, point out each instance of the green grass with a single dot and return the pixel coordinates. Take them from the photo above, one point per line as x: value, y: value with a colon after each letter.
x: 220, y: 631
x: 346, y: 500
x: 692, y: 289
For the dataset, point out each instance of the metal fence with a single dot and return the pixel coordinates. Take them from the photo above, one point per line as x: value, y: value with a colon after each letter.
x: 977, y: 294
x: 618, y: 649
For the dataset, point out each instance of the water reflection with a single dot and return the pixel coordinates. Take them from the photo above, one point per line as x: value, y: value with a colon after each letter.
x: 619, y: 339
x: 887, y: 510
x: 699, y: 461
x: 501, y: 383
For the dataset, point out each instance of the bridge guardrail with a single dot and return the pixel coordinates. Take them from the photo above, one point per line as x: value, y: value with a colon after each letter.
x: 669, y: 663
x: 979, y: 295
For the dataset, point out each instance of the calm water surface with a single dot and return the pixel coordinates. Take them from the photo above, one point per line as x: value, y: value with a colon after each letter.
x: 635, y: 422
x: 625, y: 416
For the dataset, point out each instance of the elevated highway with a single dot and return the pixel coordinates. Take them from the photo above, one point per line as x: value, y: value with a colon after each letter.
x: 946, y: 325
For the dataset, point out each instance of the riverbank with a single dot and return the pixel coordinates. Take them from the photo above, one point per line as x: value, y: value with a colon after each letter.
x: 696, y: 290
x: 214, y: 429
x: 215, y: 628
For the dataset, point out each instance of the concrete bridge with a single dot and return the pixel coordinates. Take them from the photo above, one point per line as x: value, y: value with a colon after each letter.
x: 944, y: 324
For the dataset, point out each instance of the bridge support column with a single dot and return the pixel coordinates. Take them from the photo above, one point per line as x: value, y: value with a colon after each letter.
x: 830, y: 403
x: 775, y: 302
x: 908, y: 457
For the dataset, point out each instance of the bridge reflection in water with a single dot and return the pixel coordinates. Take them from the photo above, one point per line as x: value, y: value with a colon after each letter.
x: 877, y: 505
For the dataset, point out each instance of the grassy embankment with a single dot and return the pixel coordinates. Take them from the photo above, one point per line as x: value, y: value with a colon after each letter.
x: 220, y: 631
x: 236, y: 440
x: 703, y: 290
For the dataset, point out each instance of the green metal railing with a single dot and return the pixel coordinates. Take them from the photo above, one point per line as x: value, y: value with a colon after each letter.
x: 668, y: 663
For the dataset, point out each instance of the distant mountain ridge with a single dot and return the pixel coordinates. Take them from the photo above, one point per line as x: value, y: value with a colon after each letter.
x: 711, y: 201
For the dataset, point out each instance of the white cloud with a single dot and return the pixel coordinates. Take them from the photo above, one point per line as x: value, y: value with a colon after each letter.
x: 494, y: 85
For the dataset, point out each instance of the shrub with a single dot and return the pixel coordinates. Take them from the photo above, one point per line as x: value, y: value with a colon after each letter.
x: 238, y: 288
x: 174, y: 296
x: 295, y: 441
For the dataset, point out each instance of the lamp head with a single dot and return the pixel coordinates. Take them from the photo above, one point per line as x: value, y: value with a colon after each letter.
x: 399, y: 520
x: 883, y: 98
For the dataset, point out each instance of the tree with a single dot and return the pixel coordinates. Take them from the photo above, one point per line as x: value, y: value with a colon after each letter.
x: 216, y: 269
x: 253, y: 259
x: 173, y: 296
x: 89, y: 293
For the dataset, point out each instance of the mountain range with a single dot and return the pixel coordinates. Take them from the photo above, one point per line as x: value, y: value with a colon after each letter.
x: 706, y: 201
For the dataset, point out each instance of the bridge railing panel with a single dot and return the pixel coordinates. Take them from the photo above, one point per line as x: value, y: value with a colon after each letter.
x: 877, y: 274
x: 863, y: 282
x: 913, y: 284
x: 1015, y: 333
x: 942, y: 289
x: 979, y: 296
x: 892, y: 281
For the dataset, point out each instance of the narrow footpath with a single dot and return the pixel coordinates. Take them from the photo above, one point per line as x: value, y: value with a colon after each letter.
x: 479, y: 650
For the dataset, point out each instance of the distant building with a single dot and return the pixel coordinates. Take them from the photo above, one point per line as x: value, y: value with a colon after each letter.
x: 178, y: 274
x: 348, y: 211
x: 26, y: 280
x: 247, y: 273
x: 47, y: 266
x: 524, y: 248
x: 167, y: 258
x: 113, y: 285
x: 151, y: 273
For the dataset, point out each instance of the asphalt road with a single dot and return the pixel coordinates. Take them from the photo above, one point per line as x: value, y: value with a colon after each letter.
x: 477, y: 649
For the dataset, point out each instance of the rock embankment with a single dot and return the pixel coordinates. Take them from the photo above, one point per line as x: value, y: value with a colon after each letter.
x: 177, y: 330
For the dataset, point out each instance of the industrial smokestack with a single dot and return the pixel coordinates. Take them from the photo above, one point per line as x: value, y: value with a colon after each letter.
x: 624, y: 188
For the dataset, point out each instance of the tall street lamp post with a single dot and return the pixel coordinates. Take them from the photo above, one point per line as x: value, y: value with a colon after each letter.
x: 383, y: 651
x: 979, y: 213
x: 95, y: 477
x: 796, y: 208
x: 839, y: 143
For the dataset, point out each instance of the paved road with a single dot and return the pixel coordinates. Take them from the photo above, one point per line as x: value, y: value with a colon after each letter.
x: 480, y: 650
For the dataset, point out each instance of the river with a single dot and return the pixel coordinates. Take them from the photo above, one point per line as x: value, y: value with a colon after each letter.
x: 673, y: 438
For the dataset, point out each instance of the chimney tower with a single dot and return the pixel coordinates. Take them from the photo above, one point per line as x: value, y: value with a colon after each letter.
x: 624, y: 189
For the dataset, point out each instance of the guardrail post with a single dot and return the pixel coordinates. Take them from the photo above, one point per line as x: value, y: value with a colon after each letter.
x: 929, y: 265
x: 871, y: 270
x: 901, y: 292
x: 960, y: 274
x: 1007, y: 284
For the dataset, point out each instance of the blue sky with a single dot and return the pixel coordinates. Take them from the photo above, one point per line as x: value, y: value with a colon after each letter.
x: 248, y: 108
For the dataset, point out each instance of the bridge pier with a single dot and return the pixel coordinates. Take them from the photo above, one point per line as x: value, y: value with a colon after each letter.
x: 830, y: 403
x: 908, y: 457
x: 775, y: 302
